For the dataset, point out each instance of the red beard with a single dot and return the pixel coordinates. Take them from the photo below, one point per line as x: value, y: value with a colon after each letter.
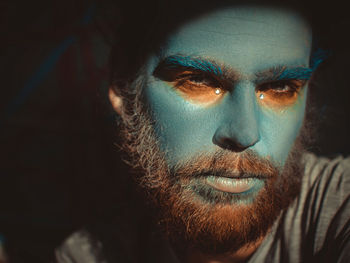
x: 193, y: 214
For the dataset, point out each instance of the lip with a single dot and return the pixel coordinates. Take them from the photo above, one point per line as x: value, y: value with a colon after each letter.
x: 232, y: 185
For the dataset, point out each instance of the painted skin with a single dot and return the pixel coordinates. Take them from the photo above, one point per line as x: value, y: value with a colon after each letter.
x: 242, y: 105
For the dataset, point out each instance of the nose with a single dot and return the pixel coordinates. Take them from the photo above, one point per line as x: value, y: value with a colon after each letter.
x: 239, y: 129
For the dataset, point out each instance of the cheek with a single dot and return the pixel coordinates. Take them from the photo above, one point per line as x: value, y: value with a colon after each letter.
x: 183, y: 129
x: 280, y: 128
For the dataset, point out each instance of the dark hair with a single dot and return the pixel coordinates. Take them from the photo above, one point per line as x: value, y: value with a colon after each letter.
x: 145, y: 25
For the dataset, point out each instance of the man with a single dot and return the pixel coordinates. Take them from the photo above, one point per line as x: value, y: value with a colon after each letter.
x: 214, y: 128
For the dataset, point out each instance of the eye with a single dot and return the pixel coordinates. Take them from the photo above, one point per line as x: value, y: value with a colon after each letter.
x: 279, y: 93
x: 198, y: 88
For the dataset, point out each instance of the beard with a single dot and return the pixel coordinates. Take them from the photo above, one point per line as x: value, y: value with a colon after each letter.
x: 192, y: 214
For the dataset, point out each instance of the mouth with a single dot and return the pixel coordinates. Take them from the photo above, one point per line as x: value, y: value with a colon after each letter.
x: 226, y: 187
x: 232, y: 182
x: 233, y: 185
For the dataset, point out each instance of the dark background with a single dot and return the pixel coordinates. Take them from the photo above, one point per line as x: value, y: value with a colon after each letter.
x: 56, y: 132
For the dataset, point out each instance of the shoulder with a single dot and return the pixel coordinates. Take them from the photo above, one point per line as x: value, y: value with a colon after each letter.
x: 324, y: 204
x: 326, y: 179
x: 79, y: 247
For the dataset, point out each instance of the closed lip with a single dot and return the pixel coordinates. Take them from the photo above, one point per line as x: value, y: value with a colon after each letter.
x: 235, y: 185
x: 230, y: 174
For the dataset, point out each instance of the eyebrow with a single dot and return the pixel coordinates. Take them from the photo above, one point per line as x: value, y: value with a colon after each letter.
x: 191, y: 63
x: 275, y: 73
x: 284, y: 73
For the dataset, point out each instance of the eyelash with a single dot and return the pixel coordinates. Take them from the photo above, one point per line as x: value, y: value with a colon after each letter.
x: 202, y: 78
x: 198, y: 79
x: 293, y: 84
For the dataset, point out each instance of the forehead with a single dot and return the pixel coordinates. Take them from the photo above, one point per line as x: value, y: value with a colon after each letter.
x: 245, y: 38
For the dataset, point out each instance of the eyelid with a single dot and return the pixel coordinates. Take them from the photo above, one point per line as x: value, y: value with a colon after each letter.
x: 293, y: 83
x: 187, y: 75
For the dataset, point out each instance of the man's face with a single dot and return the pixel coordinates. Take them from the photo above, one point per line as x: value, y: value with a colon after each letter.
x: 231, y: 79
x: 226, y: 100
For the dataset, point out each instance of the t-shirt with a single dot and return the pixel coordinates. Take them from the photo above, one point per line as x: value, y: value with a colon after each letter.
x: 315, y: 228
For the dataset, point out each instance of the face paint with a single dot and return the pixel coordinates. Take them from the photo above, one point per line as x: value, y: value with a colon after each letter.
x: 232, y: 79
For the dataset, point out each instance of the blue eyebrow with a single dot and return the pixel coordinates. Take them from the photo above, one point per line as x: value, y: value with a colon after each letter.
x: 193, y: 63
x: 305, y: 73
x: 318, y: 56
x: 284, y: 73
x: 296, y: 73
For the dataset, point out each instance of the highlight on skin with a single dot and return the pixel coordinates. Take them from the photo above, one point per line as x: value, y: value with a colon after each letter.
x: 191, y: 213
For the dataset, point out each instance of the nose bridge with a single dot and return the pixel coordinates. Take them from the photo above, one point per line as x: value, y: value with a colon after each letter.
x: 243, y: 106
x: 239, y: 129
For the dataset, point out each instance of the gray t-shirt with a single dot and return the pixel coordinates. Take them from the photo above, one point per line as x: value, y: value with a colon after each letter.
x: 315, y: 228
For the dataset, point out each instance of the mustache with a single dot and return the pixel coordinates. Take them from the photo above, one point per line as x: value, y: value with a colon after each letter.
x: 225, y: 163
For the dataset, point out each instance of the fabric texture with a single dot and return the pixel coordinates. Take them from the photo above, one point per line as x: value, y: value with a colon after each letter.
x: 315, y: 228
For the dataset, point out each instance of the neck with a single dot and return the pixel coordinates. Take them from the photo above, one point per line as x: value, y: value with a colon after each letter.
x: 240, y: 256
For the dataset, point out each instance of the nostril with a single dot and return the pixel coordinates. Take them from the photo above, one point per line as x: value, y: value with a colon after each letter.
x: 237, y: 137
x: 229, y: 144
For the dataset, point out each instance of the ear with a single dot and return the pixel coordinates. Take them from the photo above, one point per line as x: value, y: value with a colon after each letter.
x: 116, y: 101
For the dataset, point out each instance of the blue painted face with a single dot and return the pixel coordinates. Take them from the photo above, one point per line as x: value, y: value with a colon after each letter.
x: 233, y: 79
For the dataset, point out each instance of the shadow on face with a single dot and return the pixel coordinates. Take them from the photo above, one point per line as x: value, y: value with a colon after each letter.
x: 235, y: 79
